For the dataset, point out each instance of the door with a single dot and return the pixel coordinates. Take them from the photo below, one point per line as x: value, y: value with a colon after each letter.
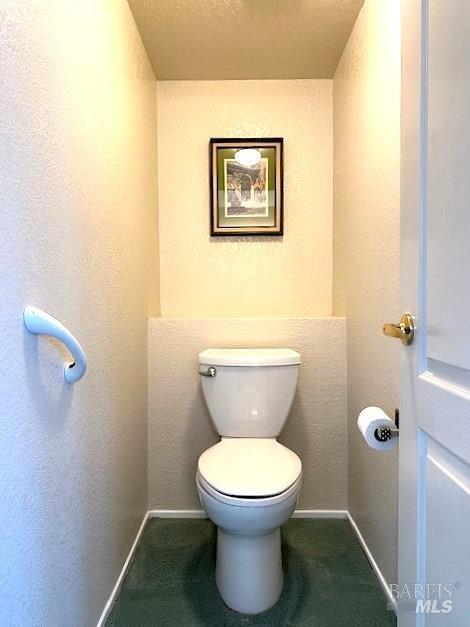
x: 434, y: 529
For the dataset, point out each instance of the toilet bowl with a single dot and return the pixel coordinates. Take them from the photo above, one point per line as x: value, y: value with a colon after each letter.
x: 249, y: 566
x: 249, y: 484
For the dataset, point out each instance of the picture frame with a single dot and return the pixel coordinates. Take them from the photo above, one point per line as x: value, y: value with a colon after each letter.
x: 246, y: 186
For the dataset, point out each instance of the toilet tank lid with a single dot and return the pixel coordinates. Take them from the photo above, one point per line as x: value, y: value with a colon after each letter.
x: 249, y: 357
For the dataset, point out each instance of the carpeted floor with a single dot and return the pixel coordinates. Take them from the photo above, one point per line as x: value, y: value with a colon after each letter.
x: 328, y: 580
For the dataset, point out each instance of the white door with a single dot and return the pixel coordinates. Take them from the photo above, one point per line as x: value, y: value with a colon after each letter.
x: 434, y: 528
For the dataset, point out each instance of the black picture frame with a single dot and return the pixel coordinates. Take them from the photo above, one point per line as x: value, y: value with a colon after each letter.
x: 246, y: 199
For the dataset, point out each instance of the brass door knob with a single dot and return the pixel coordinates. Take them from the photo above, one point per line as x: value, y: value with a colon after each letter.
x: 404, y: 330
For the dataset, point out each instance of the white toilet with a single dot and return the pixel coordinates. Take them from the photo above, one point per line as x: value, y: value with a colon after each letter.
x: 249, y: 483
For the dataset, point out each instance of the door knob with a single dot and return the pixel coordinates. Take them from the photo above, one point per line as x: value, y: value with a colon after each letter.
x: 404, y: 330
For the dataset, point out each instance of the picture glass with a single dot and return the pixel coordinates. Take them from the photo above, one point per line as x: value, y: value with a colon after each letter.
x: 246, y: 192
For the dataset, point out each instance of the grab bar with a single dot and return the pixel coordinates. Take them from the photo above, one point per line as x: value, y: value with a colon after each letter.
x: 38, y: 321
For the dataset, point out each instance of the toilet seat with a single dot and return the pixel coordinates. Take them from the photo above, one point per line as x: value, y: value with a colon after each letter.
x: 249, y: 502
x: 249, y: 468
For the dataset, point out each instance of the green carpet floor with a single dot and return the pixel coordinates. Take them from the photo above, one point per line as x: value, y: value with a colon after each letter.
x: 328, y: 580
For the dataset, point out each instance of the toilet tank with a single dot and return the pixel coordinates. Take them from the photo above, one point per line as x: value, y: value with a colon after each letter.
x: 252, y: 391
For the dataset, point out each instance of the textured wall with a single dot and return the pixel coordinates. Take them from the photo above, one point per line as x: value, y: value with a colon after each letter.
x: 366, y: 255
x: 238, y: 277
x: 77, y: 205
x: 180, y: 427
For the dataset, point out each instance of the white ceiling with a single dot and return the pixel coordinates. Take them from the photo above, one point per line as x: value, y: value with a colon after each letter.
x: 244, y: 39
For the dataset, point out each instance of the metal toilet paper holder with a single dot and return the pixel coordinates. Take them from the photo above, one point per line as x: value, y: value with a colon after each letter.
x: 383, y: 434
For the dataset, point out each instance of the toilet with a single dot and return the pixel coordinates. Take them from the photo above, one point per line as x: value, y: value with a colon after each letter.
x: 249, y: 483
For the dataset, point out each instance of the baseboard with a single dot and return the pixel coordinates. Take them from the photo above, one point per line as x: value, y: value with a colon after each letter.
x: 320, y: 513
x: 199, y: 513
x: 112, y: 598
x: 177, y: 513
x: 373, y: 563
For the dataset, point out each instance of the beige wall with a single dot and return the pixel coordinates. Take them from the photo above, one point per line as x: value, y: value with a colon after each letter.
x: 366, y: 255
x: 77, y: 213
x: 180, y: 427
x: 239, y: 277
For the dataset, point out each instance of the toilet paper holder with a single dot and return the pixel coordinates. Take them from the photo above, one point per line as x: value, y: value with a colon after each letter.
x: 383, y: 434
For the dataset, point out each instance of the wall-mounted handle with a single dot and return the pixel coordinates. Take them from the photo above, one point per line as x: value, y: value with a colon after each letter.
x: 210, y: 372
x: 40, y: 322
x: 404, y: 330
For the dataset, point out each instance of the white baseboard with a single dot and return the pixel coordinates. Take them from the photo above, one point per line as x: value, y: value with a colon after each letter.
x: 177, y: 513
x: 320, y: 513
x: 112, y: 598
x: 199, y: 513
x: 373, y: 563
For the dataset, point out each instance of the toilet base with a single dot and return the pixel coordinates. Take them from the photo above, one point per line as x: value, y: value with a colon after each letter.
x: 249, y: 570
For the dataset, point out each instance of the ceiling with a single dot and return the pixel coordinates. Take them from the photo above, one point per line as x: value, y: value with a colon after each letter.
x: 244, y: 39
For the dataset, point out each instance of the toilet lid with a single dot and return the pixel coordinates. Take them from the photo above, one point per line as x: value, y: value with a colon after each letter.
x: 252, y: 467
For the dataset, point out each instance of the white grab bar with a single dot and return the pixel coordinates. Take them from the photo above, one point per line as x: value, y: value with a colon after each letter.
x: 38, y: 321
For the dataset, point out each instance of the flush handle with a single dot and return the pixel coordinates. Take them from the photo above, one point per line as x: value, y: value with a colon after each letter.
x: 210, y: 372
x: 404, y: 330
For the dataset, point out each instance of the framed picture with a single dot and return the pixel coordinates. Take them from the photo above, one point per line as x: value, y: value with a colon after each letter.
x: 246, y: 186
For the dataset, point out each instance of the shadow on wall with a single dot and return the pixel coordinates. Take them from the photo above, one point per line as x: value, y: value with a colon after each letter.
x: 51, y: 397
x: 294, y: 434
x: 245, y: 239
x: 192, y: 434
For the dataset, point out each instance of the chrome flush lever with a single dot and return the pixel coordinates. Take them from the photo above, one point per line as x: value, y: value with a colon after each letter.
x: 404, y: 330
x: 210, y: 372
